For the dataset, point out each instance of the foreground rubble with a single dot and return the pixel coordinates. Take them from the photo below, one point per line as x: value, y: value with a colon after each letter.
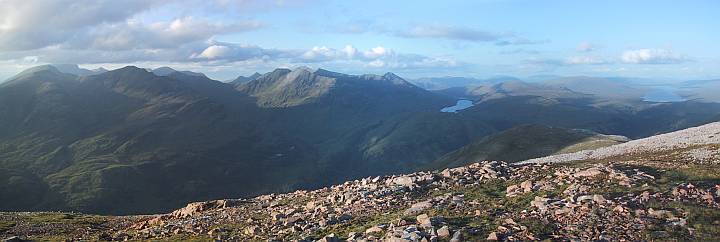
x: 644, y: 196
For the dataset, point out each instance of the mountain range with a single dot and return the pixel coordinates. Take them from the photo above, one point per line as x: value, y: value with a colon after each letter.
x: 134, y: 140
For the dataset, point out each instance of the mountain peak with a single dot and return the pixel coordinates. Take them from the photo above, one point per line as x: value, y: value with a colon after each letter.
x: 303, y: 69
x: 391, y: 76
x: 163, y: 71
x: 327, y: 73
x: 41, y: 68
x: 74, y: 69
x: 131, y: 69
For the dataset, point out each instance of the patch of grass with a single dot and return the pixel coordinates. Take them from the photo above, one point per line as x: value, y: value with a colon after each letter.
x: 704, y: 220
x: 6, y: 225
x: 537, y: 227
x: 60, y: 218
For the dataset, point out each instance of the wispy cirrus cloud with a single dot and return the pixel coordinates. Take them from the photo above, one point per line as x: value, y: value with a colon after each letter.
x: 465, y: 34
x: 451, y: 32
x: 433, y: 31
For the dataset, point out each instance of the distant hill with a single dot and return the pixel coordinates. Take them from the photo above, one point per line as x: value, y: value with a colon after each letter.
x: 439, y: 83
x: 526, y: 142
x: 76, y: 70
x: 609, y: 88
x: 701, y: 90
x: 166, y: 71
x: 519, y: 88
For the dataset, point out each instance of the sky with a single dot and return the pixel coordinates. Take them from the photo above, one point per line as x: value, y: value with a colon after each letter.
x: 664, y: 40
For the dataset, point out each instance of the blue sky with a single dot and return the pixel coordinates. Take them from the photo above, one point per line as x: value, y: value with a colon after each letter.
x: 668, y: 40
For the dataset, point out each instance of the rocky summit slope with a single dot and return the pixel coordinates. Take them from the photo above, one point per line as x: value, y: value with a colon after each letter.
x: 670, y: 192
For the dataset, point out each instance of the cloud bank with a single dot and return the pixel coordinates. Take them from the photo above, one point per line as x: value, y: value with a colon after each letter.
x: 652, y: 56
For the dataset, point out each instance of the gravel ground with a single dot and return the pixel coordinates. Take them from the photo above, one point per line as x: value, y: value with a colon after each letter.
x: 701, y: 135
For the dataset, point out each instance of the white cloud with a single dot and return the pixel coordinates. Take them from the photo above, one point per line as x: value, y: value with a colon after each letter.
x: 652, y: 56
x: 214, y: 52
x: 102, y: 24
x: 350, y: 51
x: 376, y: 64
x: 377, y: 52
x: 585, y: 60
x: 36, y: 24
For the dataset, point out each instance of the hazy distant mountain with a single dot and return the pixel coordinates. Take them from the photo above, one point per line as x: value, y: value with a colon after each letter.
x: 76, y: 70
x: 439, y: 83
x: 511, y: 88
x: 701, y: 90
x: 610, y: 88
x: 166, y: 71
x: 244, y: 79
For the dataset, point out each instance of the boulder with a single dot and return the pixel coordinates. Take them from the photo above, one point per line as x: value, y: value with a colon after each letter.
x: 526, y: 186
x: 198, y: 207
x: 424, y: 221
x: 443, y: 232
x: 492, y: 237
x: 418, y: 207
x: 590, y: 172
x: 457, y: 236
x: 374, y: 229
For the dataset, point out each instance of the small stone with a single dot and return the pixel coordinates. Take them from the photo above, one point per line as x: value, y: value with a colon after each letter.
x: 492, y: 236
x: 252, y: 230
x: 443, y: 232
x: 590, y: 172
x: 457, y: 236
x: 526, y: 186
x: 424, y: 221
x: 418, y: 207
x: 374, y: 229
x: 618, y: 209
x: 277, y: 216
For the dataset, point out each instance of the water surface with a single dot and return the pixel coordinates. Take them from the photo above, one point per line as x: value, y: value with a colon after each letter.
x: 460, y: 105
x: 663, y: 95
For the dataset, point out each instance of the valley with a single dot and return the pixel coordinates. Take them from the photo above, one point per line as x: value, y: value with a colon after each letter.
x: 133, y: 141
